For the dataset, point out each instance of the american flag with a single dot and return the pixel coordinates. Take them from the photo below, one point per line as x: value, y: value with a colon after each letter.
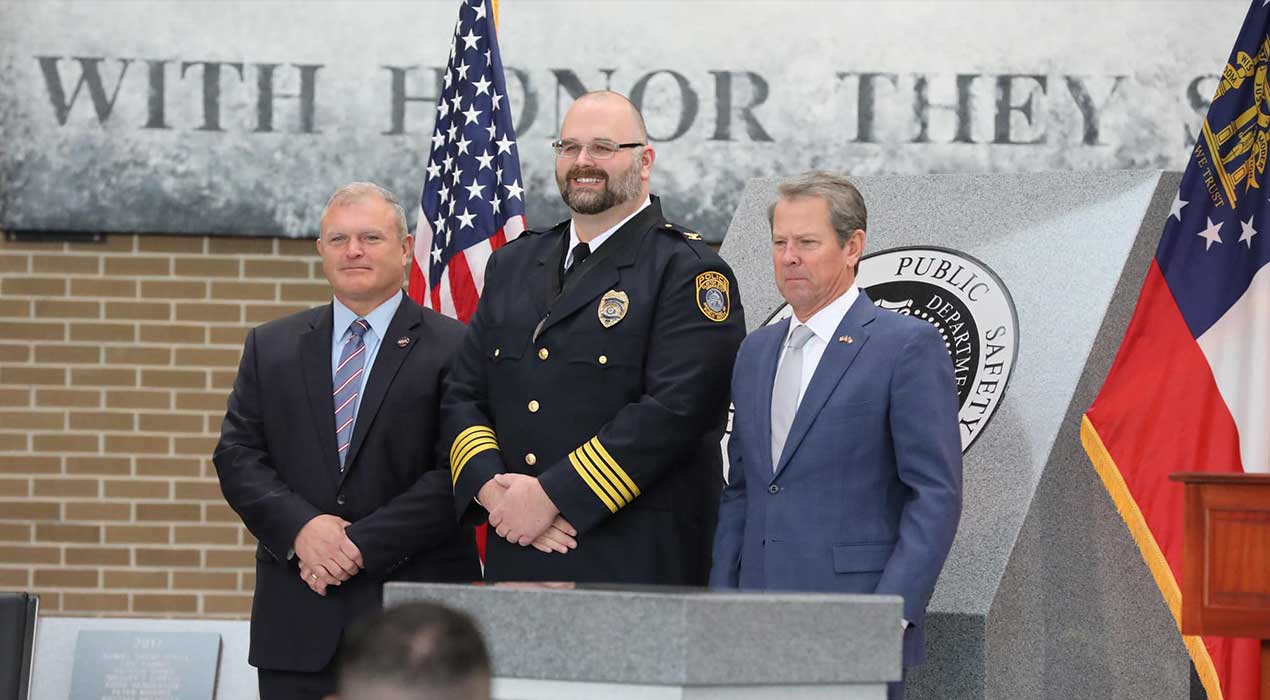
x: 1190, y: 386
x: 472, y: 202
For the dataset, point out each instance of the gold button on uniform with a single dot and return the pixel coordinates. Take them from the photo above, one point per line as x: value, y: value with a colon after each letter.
x: 543, y: 354
x: 531, y: 459
x: 533, y: 406
x: 604, y: 359
x: 496, y: 351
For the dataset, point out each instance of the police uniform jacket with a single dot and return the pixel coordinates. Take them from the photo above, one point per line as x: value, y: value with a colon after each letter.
x: 612, y: 391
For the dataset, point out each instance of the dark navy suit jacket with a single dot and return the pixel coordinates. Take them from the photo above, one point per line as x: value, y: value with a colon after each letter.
x: 278, y: 468
x: 867, y: 495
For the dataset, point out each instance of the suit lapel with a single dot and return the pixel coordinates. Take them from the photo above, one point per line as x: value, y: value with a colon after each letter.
x: 600, y: 273
x: 406, y: 323
x: 834, y: 363
x: 315, y: 363
x: 769, y: 357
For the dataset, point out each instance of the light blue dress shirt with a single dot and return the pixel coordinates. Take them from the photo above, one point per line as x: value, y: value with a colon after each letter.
x: 378, y: 320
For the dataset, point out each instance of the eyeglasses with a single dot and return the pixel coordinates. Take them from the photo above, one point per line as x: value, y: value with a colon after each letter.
x: 598, y: 150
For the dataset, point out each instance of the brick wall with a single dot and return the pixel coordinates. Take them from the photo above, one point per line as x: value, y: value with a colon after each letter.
x: 115, y: 362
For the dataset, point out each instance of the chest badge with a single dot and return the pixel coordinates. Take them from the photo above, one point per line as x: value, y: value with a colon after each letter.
x: 712, y: 296
x: 613, y: 306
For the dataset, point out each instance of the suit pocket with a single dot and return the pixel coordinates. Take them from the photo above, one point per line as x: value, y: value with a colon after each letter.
x: 505, y: 343
x: 849, y: 410
x: 861, y: 558
x: 608, y: 351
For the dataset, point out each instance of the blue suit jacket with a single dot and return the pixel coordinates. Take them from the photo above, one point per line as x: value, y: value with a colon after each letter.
x: 867, y: 495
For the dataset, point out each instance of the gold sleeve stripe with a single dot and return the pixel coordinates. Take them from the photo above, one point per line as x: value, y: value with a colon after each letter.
x: 577, y: 466
x: 607, y: 471
x: 474, y: 450
x: 612, y: 463
x: 598, y: 478
x: 469, y: 443
x: 467, y: 436
x: 606, y: 482
x: 476, y: 446
x: 459, y: 456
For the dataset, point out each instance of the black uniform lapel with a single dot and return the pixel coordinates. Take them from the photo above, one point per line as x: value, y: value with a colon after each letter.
x: 549, y: 264
x: 315, y: 365
x: 405, y: 324
x: 598, y: 273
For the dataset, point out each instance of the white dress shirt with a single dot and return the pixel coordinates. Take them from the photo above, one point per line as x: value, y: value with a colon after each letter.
x: 823, y: 325
x: 598, y: 241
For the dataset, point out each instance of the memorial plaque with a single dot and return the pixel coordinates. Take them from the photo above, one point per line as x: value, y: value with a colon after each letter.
x: 132, y: 665
x: 242, y: 116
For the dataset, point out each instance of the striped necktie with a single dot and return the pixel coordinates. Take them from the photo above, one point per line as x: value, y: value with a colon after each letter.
x: 348, y: 384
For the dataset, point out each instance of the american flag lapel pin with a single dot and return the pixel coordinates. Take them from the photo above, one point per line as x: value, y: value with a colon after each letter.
x: 846, y: 339
x: 403, y: 342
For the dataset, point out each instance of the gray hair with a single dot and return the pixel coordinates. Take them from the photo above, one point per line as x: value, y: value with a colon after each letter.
x: 847, y: 212
x: 357, y: 191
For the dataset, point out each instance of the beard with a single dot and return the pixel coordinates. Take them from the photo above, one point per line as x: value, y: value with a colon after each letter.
x: 625, y: 187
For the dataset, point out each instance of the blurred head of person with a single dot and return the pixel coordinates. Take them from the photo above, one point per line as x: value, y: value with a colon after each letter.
x: 416, y: 651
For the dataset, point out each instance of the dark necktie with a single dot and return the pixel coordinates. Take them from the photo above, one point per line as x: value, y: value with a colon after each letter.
x: 581, y: 252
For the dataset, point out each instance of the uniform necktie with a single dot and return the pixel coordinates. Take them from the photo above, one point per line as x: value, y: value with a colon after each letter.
x: 789, y: 379
x: 348, y: 383
x: 580, y: 252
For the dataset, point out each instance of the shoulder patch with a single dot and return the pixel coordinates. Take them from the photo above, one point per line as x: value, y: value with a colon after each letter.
x: 712, y: 296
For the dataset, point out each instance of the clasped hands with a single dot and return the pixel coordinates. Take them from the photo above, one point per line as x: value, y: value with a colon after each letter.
x: 327, y: 556
x: 522, y: 513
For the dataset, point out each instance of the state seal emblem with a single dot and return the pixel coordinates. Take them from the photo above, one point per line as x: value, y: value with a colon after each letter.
x: 969, y: 306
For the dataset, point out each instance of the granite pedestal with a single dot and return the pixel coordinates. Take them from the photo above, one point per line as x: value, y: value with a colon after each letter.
x: 586, y: 643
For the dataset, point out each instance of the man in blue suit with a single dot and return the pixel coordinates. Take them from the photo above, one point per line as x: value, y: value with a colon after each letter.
x: 845, y: 458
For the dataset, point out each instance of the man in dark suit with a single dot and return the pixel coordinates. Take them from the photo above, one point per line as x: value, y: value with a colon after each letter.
x: 329, y: 450
x: 588, y: 401
x: 845, y: 458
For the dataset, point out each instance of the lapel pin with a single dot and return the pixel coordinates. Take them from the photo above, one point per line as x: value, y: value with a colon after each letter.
x: 403, y: 342
x: 846, y: 339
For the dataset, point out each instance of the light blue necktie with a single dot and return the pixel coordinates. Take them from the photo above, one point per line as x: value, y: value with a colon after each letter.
x: 348, y: 383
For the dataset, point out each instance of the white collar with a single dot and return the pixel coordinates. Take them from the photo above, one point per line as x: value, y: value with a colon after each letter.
x: 824, y: 323
x: 598, y: 241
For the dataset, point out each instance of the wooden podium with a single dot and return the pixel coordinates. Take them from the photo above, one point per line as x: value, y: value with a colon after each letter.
x: 1226, y: 559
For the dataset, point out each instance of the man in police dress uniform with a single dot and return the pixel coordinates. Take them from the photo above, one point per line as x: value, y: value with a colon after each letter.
x: 585, y: 409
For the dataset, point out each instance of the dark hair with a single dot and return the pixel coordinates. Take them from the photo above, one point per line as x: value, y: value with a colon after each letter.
x: 423, y: 650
